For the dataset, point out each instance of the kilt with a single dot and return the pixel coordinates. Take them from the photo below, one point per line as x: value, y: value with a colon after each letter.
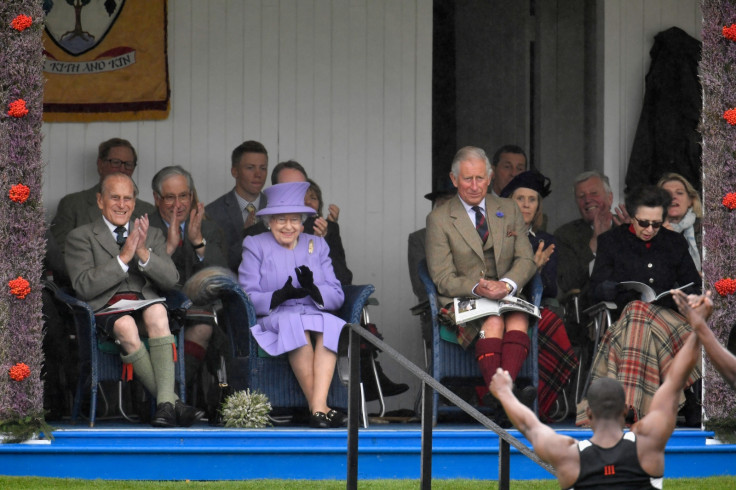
x: 556, y: 360
x: 638, y: 350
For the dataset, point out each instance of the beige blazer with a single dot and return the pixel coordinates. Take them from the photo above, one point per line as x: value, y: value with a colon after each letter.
x: 456, y: 256
x: 96, y: 275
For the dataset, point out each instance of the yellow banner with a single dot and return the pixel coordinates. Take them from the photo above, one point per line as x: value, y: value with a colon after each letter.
x: 105, y: 60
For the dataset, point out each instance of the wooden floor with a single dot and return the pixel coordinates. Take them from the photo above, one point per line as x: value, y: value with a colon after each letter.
x: 115, y: 450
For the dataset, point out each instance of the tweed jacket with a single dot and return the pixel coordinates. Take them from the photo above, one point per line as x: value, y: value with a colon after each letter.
x: 185, y: 256
x: 80, y: 208
x: 457, y: 258
x: 226, y: 212
x: 96, y: 275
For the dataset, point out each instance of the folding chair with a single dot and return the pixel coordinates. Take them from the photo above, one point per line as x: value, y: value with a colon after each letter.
x: 449, y: 360
x: 273, y: 375
x: 99, y: 360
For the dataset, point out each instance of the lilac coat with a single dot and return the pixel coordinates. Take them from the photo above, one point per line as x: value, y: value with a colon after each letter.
x: 264, y: 269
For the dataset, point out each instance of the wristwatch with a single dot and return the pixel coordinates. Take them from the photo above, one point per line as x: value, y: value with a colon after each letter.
x: 509, y: 287
x: 204, y: 242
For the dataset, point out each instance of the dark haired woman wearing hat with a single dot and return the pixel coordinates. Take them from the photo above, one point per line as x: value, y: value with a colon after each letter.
x: 289, y: 277
x: 638, y: 349
x: 556, y: 357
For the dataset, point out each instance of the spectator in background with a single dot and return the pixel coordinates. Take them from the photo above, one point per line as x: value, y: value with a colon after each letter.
x: 685, y: 213
x: 115, y: 155
x: 193, y: 243
x: 556, y: 357
x: 508, y: 162
x: 235, y: 211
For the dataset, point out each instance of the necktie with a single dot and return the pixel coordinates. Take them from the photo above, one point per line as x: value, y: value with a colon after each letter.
x: 120, y: 238
x: 250, y: 208
x: 480, y: 223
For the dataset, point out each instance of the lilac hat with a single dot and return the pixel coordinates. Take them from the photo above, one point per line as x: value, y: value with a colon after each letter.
x: 286, y: 198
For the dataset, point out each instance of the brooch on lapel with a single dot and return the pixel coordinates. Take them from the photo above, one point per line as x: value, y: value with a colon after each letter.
x: 499, y: 214
x: 311, y: 246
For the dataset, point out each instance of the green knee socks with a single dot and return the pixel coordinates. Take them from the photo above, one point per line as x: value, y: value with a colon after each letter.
x: 142, y: 368
x: 162, y: 360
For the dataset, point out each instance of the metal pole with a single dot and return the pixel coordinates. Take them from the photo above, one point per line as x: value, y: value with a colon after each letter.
x: 503, y: 464
x: 426, y: 479
x: 353, y: 409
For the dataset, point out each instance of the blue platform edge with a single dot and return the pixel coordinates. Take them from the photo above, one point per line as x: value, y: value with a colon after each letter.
x: 236, y: 454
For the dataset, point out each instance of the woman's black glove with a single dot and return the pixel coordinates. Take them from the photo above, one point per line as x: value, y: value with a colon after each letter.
x: 287, y: 292
x: 306, y: 279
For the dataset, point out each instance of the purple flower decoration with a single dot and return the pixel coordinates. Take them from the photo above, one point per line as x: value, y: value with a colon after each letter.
x: 499, y: 214
x: 22, y: 234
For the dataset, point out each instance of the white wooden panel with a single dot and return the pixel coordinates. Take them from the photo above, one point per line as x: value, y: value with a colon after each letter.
x: 287, y: 80
x: 220, y: 179
x: 629, y: 30
x: 199, y: 124
x: 252, y: 80
x: 322, y: 92
x: 214, y: 152
x: 269, y: 73
x: 305, y: 93
x: 182, y: 81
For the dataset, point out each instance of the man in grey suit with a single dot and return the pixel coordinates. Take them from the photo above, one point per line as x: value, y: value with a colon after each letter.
x: 79, y: 208
x: 477, y: 246
x: 106, y: 266
x: 193, y: 243
x: 236, y: 210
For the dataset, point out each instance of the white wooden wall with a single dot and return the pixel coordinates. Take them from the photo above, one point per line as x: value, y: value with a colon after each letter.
x: 344, y: 87
x: 628, y: 35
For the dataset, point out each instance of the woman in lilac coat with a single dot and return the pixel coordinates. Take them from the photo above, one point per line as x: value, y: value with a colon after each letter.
x: 289, y: 277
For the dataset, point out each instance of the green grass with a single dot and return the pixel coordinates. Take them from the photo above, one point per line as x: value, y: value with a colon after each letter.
x: 713, y: 483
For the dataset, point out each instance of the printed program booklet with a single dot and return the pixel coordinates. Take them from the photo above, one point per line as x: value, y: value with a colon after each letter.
x: 467, y: 309
x: 126, y: 305
x: 647, y: 293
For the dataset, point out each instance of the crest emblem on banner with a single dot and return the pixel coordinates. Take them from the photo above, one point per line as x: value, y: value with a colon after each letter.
x: 105, y: 60
x: 77, y: 26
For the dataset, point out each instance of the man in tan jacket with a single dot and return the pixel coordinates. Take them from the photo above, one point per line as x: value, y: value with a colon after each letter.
x: 477, y: 246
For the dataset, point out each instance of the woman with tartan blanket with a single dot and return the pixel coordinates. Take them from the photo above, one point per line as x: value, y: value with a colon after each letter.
x: 638, y: 349
x: 556, y: 357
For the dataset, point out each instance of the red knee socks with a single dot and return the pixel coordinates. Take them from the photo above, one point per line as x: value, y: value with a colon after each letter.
x: 514, y: 351
x: 488, y: 354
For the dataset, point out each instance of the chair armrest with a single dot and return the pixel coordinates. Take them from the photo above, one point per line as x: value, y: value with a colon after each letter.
x: 599, y: 307
x: 176, y: 300
x: 356, y: 297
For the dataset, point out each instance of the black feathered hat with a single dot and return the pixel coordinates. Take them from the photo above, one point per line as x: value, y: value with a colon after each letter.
x: 531, y: 179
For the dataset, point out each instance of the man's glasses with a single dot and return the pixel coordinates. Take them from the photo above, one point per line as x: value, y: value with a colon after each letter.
x: 647, y: 223
x: 183, y: 198
x: 115, y: 163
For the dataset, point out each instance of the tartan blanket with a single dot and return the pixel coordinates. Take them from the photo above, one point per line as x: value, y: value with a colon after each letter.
x: 638, y: 350
x: 556, y: 360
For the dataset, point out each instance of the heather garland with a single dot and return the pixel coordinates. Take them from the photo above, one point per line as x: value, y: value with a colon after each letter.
x: 21, y: 217
x: 718, y: 69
